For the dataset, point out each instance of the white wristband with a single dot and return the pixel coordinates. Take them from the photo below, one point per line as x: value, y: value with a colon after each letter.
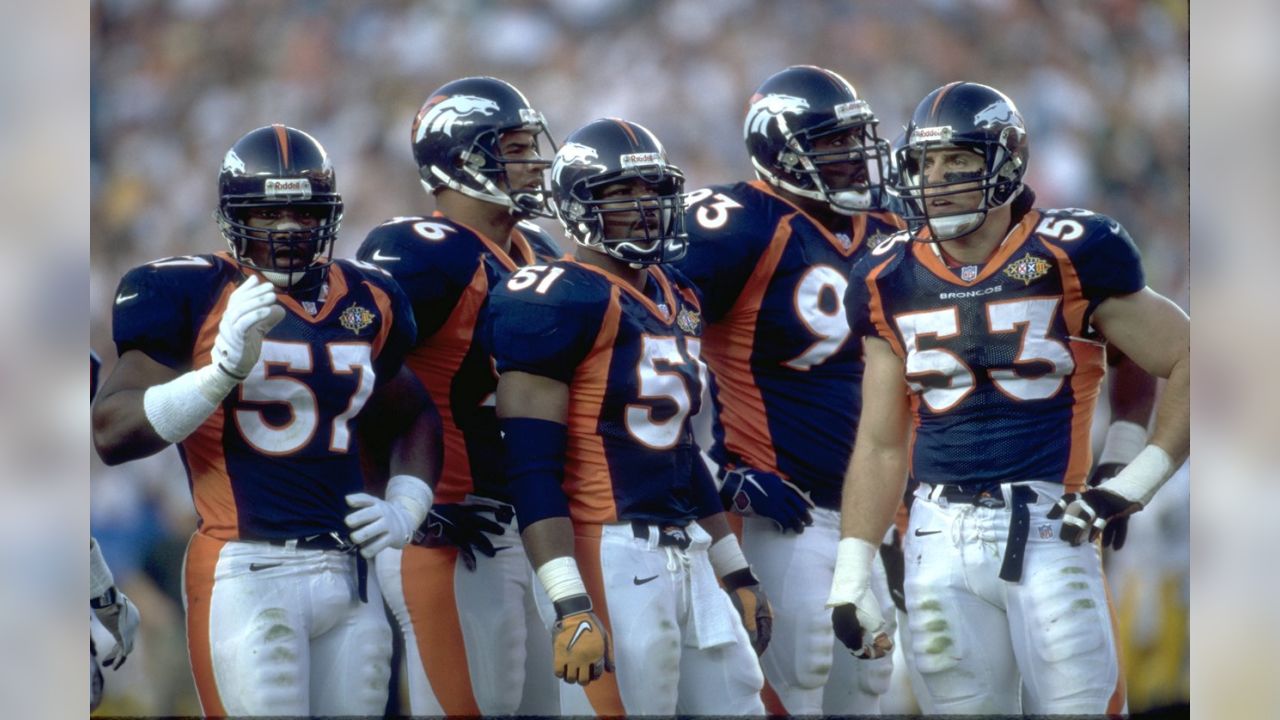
x: 726, y: 556
x: 100, y: 578
x: 413, y: 494
x: 560, y: 578
x: 176, y: 408
x: 1124, y: 441
x: 853, y: 571
x: 1140, y: 479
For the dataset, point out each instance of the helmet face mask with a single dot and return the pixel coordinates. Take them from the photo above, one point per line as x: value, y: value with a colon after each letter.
x: 278, y: 208
x: 616, y: 193
x: 808, y: 132
x: 459, y: 137
x: 952, y: 123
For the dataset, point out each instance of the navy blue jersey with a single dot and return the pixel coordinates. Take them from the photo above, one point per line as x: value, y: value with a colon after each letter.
x: 630, y: 360
x: 1003, y: 367
x: 278, y: 457
x: 787, y: 379
x: 447, y: 269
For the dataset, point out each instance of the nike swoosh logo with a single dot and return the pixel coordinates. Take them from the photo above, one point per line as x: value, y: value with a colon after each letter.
x: 255, y: 567
x: 640, y: 581
x: 125, y: 298
x: 922, y: 533
x: 379, y: 257
x: 583, y: 627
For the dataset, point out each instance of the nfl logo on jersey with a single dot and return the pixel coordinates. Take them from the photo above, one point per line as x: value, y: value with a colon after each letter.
x: 1046, y: 532
x: 968, y: 273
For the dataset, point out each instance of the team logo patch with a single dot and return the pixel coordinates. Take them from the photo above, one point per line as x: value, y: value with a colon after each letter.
x: 968, y: 273
x: 232, y: 163
x: 1046, y: 532
x: 573, y: 154
x: 997, y: 113
x: 689, y: 321
x: 356, y: 318
x: 1028, y: 268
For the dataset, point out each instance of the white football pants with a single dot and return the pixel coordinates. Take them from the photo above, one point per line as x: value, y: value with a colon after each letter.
x: 974, y: 636
x: 277, y: 630
x: 812, y: 673
x: 678, y: 644
x: 474, y: 641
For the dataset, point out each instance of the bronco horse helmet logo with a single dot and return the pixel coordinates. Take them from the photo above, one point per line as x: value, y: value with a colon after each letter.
x: 770, y: 107
x: 997, y: 113
x: 440, y: 115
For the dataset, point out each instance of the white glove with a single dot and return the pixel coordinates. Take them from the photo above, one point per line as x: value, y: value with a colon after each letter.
x: 252, y: 310
x: 378, y: 524
x: 121, y: 618
x: 855, y: 616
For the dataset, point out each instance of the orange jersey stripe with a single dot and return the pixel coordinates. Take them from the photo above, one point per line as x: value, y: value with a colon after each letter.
x: 202, y: 560
x: 383, y: 301
x: 427, y: 578
x: 1086, y: 381
x: 435, y: 361
x: 875, y: 306
x: 587, y: 481
x: 727, y: 349
x: 205, y: 454
x: 604, y: 695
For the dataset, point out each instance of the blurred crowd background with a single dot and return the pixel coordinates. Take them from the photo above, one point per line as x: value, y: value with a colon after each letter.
x: 1103, y: 86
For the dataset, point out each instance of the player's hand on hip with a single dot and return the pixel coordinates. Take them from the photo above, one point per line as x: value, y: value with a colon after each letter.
x: 861, y: 627
x: 748, y: 491
x: 465, y: 528
x: 252, y: 311
x: 121, y: 618
x: 1117, y: 529
x: 580, y: 642
x: 753, y: 607
x: 377, y: 524
x: 1085, y: 515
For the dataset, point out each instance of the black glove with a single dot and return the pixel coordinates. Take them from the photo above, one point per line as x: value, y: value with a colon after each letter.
x: 748, y: 491
x: 1085, y: 515
x: 463, y: 527
x: 895, y: 569
x: 1117, y: 529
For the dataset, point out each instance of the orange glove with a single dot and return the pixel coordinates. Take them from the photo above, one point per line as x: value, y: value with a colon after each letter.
x: 580, y: 642
x: 752, y: 606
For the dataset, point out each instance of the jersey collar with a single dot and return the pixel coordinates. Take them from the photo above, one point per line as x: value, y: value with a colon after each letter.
x: 664, y: 285
x: 928, y: 254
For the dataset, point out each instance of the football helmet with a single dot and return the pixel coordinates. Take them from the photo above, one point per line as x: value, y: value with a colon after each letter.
x: 799, y: 105
x: 275, y: 167
x: 457, y: 142
x: 960, y: 115
x: 609, y: 151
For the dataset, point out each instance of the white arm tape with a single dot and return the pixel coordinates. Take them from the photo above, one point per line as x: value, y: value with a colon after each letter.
x: 1140, y: 479
x: 726, y: 556
x: 176, y: 408
x: 560, y: 578
x: 100, y: 578
x: 853, y: 571
x: 413, y: 494
x: 1124, y: 441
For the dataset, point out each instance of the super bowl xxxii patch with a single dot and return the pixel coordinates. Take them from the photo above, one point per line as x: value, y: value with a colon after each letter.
x: 1027, y: 268
x: 356, y: 318
x: 689, y: 321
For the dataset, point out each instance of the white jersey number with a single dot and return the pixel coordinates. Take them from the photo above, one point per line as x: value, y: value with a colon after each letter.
x: 711, y: 216
x: 1032, y: 317
x: 831, y: 326
x: 304, y: 416
x: 659, y: 384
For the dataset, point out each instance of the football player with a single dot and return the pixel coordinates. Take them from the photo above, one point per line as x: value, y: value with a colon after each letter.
x: 471, y: 627
x: 985, y: 331
x: 598, y: 356
x: 772, y: 257
x: 113, y: 608
x: 265, y: 364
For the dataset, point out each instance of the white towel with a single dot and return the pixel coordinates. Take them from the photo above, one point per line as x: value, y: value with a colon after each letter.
x: 711, y: 615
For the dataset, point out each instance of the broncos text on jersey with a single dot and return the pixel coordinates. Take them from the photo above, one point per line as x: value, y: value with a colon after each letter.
x: 1004, y: 367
